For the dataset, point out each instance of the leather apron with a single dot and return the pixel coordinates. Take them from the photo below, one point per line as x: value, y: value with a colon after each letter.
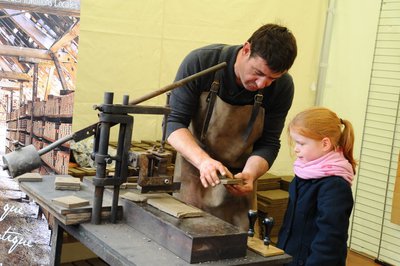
x: 228, y: 140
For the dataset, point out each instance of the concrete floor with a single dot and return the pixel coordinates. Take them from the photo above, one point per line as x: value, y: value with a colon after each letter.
x: 19, y: 221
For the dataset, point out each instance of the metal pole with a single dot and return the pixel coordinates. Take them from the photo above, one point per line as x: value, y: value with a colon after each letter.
x: 177, y: 84
x: 101, y: 163
x: 323, y: 61
x: 120, y: 165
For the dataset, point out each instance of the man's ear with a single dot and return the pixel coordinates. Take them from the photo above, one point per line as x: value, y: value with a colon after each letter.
x: 246, y: 48
x: 326, y: 144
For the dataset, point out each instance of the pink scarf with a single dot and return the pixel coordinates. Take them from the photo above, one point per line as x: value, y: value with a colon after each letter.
x: 333, y: 163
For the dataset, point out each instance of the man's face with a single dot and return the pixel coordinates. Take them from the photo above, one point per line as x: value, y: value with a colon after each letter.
x: 253, y: 72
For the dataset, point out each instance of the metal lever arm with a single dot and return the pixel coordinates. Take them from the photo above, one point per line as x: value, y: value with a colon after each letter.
x: 77, y: 136
x: 26, y: 159
x: 177, y: 84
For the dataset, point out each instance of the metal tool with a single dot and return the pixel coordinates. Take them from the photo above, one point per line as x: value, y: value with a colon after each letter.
x: 152, y: 175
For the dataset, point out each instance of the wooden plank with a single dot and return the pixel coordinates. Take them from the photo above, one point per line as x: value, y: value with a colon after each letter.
x: 8, y: 50
x: 70, y: 201
x: 66, y: 38
x: 15, y: 76
x: 231, y: 181
x: 174, y: 207
x: 67, y: 183
x: 257, y: 245
x: 30, y: 177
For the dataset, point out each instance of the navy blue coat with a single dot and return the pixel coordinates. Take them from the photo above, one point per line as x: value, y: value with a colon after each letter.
x: 315, y: 227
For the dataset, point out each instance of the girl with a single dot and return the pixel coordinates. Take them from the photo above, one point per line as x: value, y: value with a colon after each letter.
x: 316, y: 222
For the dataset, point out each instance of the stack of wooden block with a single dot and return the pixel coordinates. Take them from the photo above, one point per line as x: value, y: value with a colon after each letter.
x: 80, y: 172
x: 67, y: 183
x: 285, y: 181
x: 272, y: 198
x: 268, y: 182
x: 273, y: 203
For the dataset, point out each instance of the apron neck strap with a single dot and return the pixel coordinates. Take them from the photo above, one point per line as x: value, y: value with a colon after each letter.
x: 212, y: 95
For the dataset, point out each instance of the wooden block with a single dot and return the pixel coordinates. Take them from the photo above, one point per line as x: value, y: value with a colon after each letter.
x: 135, y: 197
x: 128, y: 185
x: 67, y: 183
x: 276, y: 196
x: 174, y: 207
x: 287, y: 178
x: 76, y: 172
x: 88, y: 171
x: 67, y: 180
x: 268, y: 177
x: 231, y: 181
x: 71, y: 201
x: 30, y: 177
x: 67, y: 188
x: 132, y: 179
x: 257, y: 245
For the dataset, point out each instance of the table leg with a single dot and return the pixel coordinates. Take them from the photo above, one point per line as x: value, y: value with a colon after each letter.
x: 56, y: 243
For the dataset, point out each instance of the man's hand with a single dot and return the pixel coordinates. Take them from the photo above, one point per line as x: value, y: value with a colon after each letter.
x: 242, y: 190
x: 209, y: 169
x: 255, y: 167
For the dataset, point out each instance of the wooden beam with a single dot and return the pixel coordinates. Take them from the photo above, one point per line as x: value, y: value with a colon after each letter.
x: 31, y: 60
x: 60, y: 8
x: 60, y: 72
x: 30, y: 28
x: 9, y: 89
x: 48, y: 83
x: 8, y: 50
x: 9, y: 84
x: 4, y: 65
x: 66, y: 38
x: 15, y: 75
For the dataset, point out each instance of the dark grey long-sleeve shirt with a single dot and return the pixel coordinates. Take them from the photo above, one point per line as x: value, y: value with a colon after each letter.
x: 184, y: 100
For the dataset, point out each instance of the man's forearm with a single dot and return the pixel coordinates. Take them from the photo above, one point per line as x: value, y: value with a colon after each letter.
x: 255, y: 166
x: 184, y: 143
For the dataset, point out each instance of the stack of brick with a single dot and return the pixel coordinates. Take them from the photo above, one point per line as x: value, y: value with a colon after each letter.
x: 39, y: 108
x: 61, y: 161
x: 52, y: 106
x: 65, y: 129
x: 50, y: 131
x: 48, y: 157
x: 38, y: 128
x: 67, y: 105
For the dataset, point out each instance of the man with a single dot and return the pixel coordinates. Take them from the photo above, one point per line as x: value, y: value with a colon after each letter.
x: 228, y: 124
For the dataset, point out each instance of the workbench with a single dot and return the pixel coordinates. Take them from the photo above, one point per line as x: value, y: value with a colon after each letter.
x: 119, y: 243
